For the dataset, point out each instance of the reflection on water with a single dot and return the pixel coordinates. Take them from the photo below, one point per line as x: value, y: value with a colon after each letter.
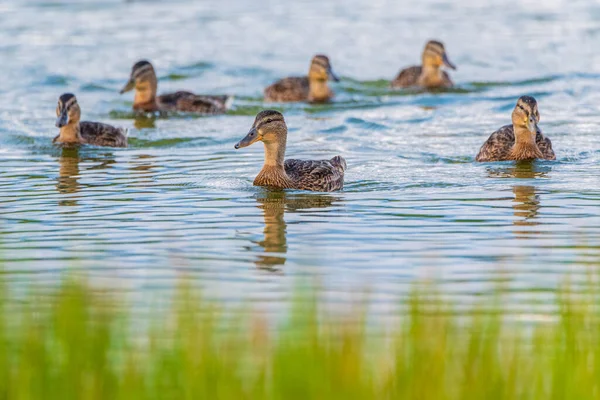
x: 68, y: 176
x: 520, y: 170
x: 274, y: 204
x: 143, y: 163
x: 70, y: 172
x: 526, y: 205
x: 144, y: 121
x: 526, y: 202
x: 274, y: 242
x: 414, y: 198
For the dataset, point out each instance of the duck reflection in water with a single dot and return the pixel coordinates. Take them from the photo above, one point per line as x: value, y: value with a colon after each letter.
x: 144, y: 121
x: 274, y: 204
x: 69, y: 172
x: 520, y: 170
x: 68, y: 175
x: 526, y: 205
x: 526, y: 202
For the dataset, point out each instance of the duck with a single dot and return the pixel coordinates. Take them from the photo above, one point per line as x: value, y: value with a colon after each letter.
x: 428, y: 75
x: 522, y: 140
x: 312, y: 88
x: 270, y: 128
x: 143, y: 80
x: 76, y: 132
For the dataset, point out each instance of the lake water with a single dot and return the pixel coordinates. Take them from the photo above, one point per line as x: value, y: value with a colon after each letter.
x: 180, y: 201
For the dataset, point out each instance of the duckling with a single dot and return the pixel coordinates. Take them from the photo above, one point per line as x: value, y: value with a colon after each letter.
x: 73, y: 131
x: 323, y: 175
x: 143, y: 80
x: 429, y: 75
x: 312, y: 88
x: 522, y: 140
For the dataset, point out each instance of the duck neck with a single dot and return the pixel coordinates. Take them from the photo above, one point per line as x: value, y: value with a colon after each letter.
x: 431, y: 75
x: 318, y: 90
x: 70, y: 133
x: 525, y: 147
x: 275, y: 152
x: 145, y: 97
x: 273, y: 171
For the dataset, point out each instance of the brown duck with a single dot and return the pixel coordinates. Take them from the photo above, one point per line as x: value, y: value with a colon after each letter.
x: 523, y: 140
x: 323, y: 175
x: 312, y: 88
x: 429, y: 75
x: 143, y: 80
x: 74, y: 132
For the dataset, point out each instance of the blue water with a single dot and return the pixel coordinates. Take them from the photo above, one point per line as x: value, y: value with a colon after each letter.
x: 180, y: 201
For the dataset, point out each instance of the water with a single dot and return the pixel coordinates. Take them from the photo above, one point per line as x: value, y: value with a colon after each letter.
x: 180, y: 201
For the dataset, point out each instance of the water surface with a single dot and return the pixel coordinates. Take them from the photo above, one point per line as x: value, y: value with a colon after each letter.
x: 180, y: 201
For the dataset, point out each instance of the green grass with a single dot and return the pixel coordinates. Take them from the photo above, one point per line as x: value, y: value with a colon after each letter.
x: 78, y: 342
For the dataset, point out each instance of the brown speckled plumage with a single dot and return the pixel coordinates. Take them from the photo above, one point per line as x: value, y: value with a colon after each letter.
x: 76, y: 132
x: 409, y: 77
x: 189, y: 102
x: 504, y: 145
x: 312, y: 88
x: 429, y: 75
x: 288, y: 90
x: 315, y: 175
x: 143, y: 80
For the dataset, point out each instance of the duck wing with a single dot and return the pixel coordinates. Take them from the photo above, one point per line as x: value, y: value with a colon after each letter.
x: 288, y: 89
x: 407, y: 77
x: 320, y: 176
x: 498, y: 145
x: 99, y: 134
x: 545, y: 145
x: 190, y: 102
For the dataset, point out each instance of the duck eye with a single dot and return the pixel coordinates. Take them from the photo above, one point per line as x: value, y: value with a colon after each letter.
x: 269, y: 121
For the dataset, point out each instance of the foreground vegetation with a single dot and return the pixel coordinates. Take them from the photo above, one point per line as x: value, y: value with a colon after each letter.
x: 76, y: 342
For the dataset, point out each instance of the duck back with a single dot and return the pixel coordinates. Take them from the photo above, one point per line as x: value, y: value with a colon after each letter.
x: 99, y: 134
x: 190, y: 102
x: 288, y: 90
x: 317, y: 175
x: 407, y: 77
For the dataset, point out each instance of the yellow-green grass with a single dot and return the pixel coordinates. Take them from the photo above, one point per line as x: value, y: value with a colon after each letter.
x: 77, y: 342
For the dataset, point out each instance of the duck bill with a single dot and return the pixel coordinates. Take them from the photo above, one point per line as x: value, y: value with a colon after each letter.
x: 250, y: 138
x: 447, y: 62
x: 129, y: 86
x: 62, y: 120
x: 332, y: 75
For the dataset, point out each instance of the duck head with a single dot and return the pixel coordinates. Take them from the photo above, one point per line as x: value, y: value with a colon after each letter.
x: 268, y: 127
x: 67, y: 110
x: 320, y: 69
x: 143, y: 80
x: 526, y: 115
x: 434, y: 55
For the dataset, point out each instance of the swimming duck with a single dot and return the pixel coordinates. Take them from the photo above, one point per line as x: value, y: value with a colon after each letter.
x: 73, y: 131
x: 143, y: 80
x: 429, y: 75
x: 323, y: 175
x: 522, y: 140
x: 312, y: 88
